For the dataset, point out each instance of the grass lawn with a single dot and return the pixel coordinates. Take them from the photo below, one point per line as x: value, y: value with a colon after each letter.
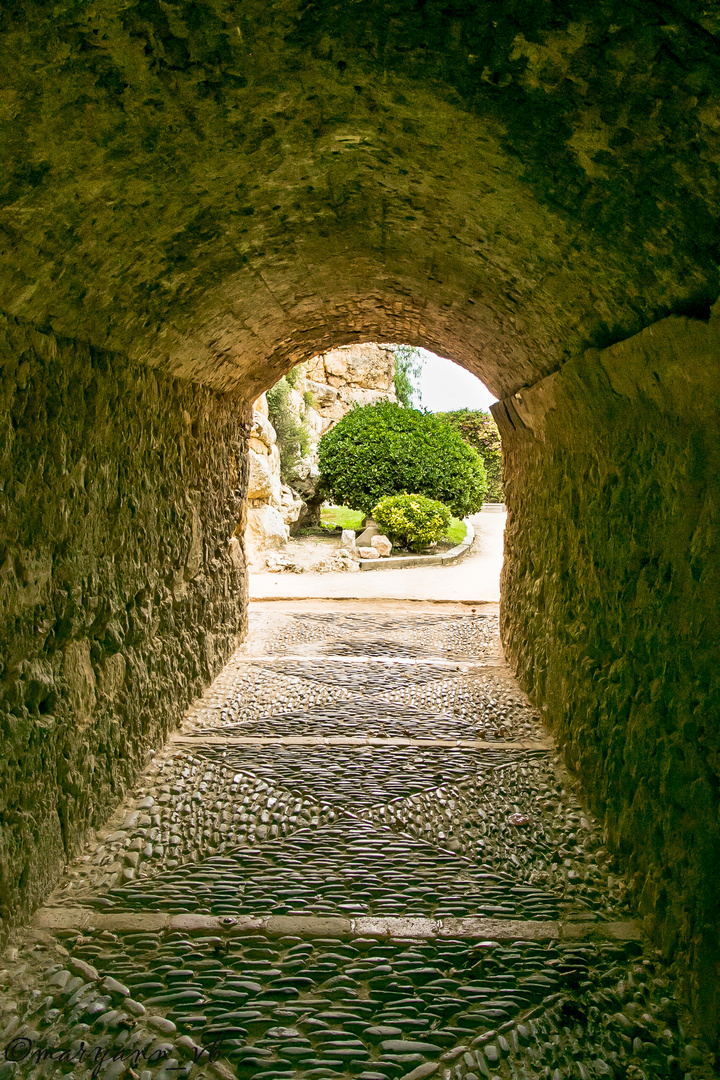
x: 456, y: 532
x: 342, y: 516
x: 333, y: 516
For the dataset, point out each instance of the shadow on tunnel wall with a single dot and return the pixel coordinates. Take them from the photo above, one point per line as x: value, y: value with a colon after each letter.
x: 611, y: 611
x: 122, y: 593
x: 212, y: 187
x: 121, y: 583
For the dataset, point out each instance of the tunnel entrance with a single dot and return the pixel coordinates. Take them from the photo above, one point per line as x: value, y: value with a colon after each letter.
x: 456, y: 462
x: 200, y: 197
x: 117, y: 646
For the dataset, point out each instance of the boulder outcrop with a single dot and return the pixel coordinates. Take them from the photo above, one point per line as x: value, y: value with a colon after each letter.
x: 351, y: 375
x: 323, y: 391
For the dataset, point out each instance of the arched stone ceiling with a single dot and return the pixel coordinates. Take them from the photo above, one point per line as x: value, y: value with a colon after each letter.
x: 223, y: 188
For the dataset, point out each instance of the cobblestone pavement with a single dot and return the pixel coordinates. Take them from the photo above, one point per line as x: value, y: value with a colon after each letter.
x: 359, y: 857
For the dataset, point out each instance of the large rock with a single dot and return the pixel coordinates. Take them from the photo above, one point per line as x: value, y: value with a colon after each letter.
x: 306, y: 478
x: 264, y: 477
x: 305, y: 481
x: 368, y: 365
x: 296, y: 403
x: 262, y: 429
x: 264, y: 484
x: 324, y: 395
x: 333, y: 413
x: 258, y: 446
x: 360, y: 395
x: 381, y: 544
x: 260, y: 405
x: 365, y: 537
x: 265, y: 529
x: 291, y: 507
x: 315, y: 423
x: 315, y: 369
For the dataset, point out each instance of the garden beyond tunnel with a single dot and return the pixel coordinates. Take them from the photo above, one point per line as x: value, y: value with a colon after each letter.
x: 198, y: 196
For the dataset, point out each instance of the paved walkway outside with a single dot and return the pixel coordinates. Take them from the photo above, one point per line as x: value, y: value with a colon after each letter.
x: 475, y: 577
x: 359, y: 857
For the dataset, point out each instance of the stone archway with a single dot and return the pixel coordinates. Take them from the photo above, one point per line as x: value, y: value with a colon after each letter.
x: 199, y: 198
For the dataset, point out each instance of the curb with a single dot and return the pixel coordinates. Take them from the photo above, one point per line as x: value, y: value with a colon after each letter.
x: 401, y: 562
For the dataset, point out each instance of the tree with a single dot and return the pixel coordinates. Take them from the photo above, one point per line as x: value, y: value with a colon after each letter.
x: 293, y: 438
x: 386, y: 449
x: 408, y: 366
x: 480, y: 431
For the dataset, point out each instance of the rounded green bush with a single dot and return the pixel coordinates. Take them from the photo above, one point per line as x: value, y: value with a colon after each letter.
x: 385, y: 449
x: 412, y: 521
x: 480, y: 431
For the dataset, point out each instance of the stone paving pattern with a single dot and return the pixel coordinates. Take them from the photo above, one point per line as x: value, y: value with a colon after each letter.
x: 345, y: 831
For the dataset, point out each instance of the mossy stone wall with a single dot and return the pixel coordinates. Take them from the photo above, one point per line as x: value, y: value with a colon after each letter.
x: 223, y: 189
x: 611, y: 610
x: 122, y: 585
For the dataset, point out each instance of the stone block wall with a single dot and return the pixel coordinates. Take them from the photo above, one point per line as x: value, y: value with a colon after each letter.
x: 611, y: 610
x: 121, y: 583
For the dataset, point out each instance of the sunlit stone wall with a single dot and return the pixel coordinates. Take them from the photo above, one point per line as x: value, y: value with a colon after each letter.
x: 611, y: 609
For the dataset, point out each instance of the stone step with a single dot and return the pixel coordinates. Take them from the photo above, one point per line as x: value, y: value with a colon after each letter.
x: 202, y: 739
x: 79, y: 918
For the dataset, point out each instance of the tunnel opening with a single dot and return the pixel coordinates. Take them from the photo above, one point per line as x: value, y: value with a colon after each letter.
x: 589, y: 585
x: 292, y: 422
x: 198, y: 195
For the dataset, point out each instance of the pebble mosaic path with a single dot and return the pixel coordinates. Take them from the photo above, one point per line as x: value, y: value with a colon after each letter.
x: 358, y: 857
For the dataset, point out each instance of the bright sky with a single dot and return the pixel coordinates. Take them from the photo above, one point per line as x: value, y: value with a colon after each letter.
x: 445, y: 386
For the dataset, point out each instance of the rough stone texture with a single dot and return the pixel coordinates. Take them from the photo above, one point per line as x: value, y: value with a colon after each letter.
x: 503, y: 186
x: 265, y: 528
x: 353, y: 375
x: 261, y: 481
x: 325, y: 912
x: 269, y: 510
x: 610, y: 608
x: 347, y: 540
x: 292, y: 507
x: 381, y: 544
x: 121, y: 583
x: 264, y: 484
x: 222, y: 190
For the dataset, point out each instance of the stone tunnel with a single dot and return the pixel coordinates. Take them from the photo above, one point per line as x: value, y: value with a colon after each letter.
x: 196, y: 197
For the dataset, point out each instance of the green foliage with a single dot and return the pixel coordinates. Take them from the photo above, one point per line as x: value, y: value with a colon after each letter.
x: 292, y: 434
x: 479, y: 430
x: 412, y: 521
x: 457, y: 531
x: 385, y: 449
x: 340, y: 515
x: 408, y: 366
x: 293, y: 375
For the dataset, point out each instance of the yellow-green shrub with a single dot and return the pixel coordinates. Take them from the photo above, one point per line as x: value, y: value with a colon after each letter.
x: 412, y: 521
